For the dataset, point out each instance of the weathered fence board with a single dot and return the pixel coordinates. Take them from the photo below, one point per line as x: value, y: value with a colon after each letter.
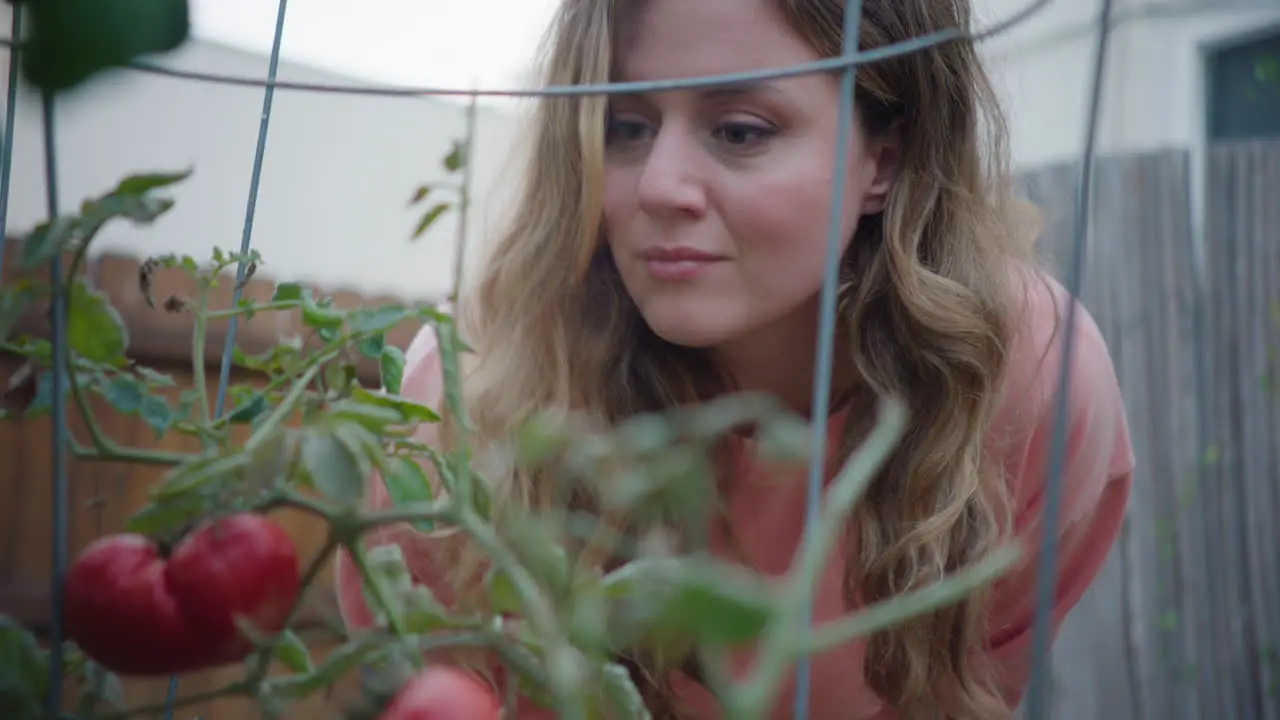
x: 1184, y: 620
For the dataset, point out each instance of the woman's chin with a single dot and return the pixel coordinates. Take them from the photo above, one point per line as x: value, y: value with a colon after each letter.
x: 687, y: 330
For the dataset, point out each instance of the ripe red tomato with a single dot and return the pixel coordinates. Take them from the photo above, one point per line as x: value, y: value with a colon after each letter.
x: 443, y: 693
x: 138, y: 613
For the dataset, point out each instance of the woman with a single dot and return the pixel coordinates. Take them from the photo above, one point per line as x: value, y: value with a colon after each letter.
x: 669, y: 247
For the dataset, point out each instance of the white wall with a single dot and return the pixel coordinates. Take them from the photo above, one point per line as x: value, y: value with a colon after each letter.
x: 338, y: 171
x: 1152, y: 92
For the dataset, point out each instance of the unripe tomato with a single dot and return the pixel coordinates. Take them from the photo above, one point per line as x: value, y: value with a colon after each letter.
x: 136, y: 612
x: 443, y: 693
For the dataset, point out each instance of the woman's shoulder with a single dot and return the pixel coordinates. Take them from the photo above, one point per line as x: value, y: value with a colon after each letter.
x: 1098, y: 447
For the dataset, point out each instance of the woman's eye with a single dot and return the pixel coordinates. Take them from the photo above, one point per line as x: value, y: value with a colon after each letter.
x: 618, y: 130
x: 742, y: 134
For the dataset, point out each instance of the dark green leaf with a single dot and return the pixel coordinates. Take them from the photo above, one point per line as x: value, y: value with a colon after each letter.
x: 391, y: 365
x: 407, y: 482
x: 14, y: 302
x: 377, y: 320
x: 46, y: 241
x: 124, y: 393
x: 146, y: 182
x: 156, y: 412
x: 429, y: 218
x: 293, y: 653
x: 72, y: 40
x: 247, y: 409
x: 95, y: 331
x: 24, y: 671
x: 456, y: 157
x: 330, y: 465
x: 409, y: 410
x: 287, y: 292
x: 419, y: 194
x: 157, y: 519
x: 372, y: 346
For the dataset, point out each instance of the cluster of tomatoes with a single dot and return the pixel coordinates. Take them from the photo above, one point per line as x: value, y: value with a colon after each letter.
x: 138, y: 611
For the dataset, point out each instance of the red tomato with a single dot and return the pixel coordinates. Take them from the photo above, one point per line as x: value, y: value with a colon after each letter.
x: 138, y: 613
x: 443, y: 693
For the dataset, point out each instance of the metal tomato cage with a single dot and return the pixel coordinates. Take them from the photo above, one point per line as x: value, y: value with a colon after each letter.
x: 1036, y: 704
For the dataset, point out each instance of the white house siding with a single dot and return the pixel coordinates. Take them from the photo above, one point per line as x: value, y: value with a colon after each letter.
x: 338, y: 171
x: 1153, y: 88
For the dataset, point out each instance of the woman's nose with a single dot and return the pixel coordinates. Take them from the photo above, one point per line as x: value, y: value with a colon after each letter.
x: 672, y: 181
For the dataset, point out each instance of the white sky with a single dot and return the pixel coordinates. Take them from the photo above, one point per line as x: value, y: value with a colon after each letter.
x: 455, y: 43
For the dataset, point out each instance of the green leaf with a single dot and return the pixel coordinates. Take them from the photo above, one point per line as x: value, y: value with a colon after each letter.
x: 124, y: 393
x: 668, y: 598
x: 456, y: 157
x: 46, y: 241
x: 377, y: 320
x: 293, y: 653
x: 391, y: 365
x: 156, y: 412
x: 419, y: 195
x: 248, y: 409
x: 155, y: 378
x: 14, y: 302
x: 407, y: 482
x: 146, y: 182
x: 504, y: 599
x: 287, y: 292
x: 372, y: 346
x: 409, y: 410
x: 24, y: 671
x: 157, y: 519
x: 429, y: 218
x: 73, y: 40
x: 331, y: 467
x: 95, y: 331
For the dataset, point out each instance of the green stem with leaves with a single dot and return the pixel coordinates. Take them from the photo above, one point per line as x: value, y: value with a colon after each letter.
x: 753, y: 698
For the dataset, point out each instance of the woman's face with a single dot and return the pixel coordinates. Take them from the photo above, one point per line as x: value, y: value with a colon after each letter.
x: 716, y: 200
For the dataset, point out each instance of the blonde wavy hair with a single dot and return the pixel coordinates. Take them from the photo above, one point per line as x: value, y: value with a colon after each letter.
x: 926, y: 313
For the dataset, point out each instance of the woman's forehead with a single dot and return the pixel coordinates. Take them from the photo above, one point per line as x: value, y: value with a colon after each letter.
x: 663, y: 39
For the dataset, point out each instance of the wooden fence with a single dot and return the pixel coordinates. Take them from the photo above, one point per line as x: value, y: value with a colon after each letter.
x: 1184, y: 621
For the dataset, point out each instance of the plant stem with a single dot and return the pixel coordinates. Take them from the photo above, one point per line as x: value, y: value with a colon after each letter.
x: 753, y: 698
x: 250, y: 309
x: 124, y: 454
x: 376, y: 588
x: 200, y: 322
x: 235, y: 688
x: 409, y: 512
x: 540, y: 615
x: 894, y: 610
x: 282, y: 411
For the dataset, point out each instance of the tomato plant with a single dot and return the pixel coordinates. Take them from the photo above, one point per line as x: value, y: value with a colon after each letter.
x: 201, y: 576
x: 136, y: 612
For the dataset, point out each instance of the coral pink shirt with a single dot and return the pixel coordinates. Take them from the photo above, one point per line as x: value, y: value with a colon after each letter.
x: 767, y: 516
